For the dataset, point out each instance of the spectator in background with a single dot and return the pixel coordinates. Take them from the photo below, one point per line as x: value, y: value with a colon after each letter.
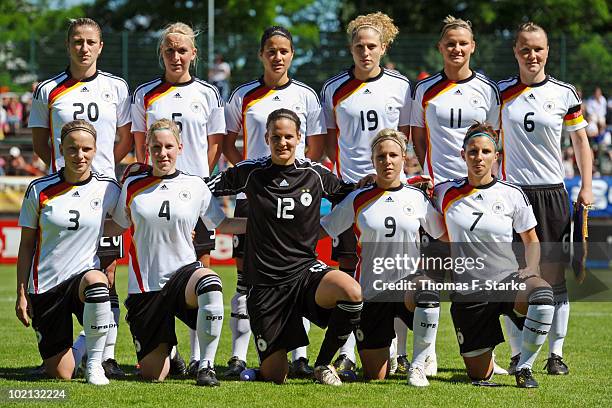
x: 18, y: 166
x: 15, y: 113
x: 219, y: 76
x: 568, y: 162
x: 3, y: 122
x: 597, y: 107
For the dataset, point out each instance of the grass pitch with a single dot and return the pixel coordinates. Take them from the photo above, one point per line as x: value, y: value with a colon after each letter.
x: 588, y: 352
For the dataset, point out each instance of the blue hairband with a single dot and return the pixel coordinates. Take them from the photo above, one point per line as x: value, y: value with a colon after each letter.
x: 477, y: 134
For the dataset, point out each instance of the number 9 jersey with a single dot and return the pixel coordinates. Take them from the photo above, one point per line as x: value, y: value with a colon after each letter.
x: 359, y: 110
x: 102, y: 100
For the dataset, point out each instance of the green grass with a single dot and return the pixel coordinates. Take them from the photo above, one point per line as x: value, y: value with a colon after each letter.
x: 588, y: 352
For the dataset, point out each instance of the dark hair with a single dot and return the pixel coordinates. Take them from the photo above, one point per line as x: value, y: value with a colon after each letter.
x: 283, y: 113
x: 83, y: 21
x: 481, y: 129
x: 271, y: 32
x: 75, y: 125
x: 528, y: 27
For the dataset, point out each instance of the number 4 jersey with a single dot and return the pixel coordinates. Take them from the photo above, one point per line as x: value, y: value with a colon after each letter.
x: 69, y: 220
x: 161, y: 213
x: 102, y: 100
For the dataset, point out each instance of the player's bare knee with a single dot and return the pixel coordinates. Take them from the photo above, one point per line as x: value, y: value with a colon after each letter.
x: 351, y: 291
x: 90, y: 278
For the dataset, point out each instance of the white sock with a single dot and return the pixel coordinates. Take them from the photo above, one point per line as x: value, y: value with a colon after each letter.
x: 536, y: 327
x: 210, y: 318
x: 96, y: 321
x: 348, y: 348
x: 241, y: 328
x: 194, y: 345
x: 424, y: 327
x: 514, y: 336
x: 558, y: 330
x: 111, y: 337
x: 301, y: 352
x: 401, y: 332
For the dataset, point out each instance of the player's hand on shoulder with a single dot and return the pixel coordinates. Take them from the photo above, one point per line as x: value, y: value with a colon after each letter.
x: 135, y: 169
x: 422, y: 182
x: 369, y: 179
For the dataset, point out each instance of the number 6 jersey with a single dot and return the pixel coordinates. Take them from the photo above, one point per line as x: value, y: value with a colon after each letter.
x: 69, y: 220
x: 102, y: 100
x: 161, y: 213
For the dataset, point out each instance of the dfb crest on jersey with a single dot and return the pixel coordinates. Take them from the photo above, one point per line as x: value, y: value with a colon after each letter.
x: 460, y: 338
x: 391, y: 111
x: 262, y: 345
x: 475, y: 100
x: 306, y: 198
x: 498, y: 207
x: 185, y: 195
x: 107, y: 95
x: 409, y: 210
x: 196, y: 106
x: 549, y: 106
x: 96, y: 203
x: 298, y: 109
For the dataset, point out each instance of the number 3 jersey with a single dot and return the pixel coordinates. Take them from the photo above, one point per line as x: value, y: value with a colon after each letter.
x: 161, y: 213
x: 102, y: 100
x: 284, y: 214
x: 69, y: 219
x: 480, y: 222
x: 195, y: 106
x: 386, y: 224
x: 533, y: 118
x: 446, y: 109
x: 359, y: 110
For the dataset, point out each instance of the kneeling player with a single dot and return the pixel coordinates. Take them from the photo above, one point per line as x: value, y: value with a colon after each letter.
x: 386, y: 218
x: 162, y: 207
x: 481, y: 214
x: 286, y: 279
x: 58, y: 271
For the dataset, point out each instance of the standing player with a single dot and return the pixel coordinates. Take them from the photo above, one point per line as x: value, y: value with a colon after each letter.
x: 60, y: 212
x: 197, y: 108
x: 161, y: 207
x: 358, y: 103
x: 286, y: 280
x: 536, y: 109
x: 102, y: 99
x: 386, y: 218
x: 246, y: 114
x: 481, y: 214
x: 444, y: 106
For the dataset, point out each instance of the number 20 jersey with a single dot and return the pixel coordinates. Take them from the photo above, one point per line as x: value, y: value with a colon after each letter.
x: 359, y: 110
x: 102, y: 100
x: 69, y: 220
x: 161, y: 213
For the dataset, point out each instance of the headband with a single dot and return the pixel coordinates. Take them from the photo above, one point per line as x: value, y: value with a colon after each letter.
x: 382, y: 139
x: 83, y: 128
x: 366, y: 26
x: 479, y: 134
x: 281, y: 33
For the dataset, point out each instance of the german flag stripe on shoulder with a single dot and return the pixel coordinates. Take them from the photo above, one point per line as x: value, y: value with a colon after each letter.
x: 139, y: 185
x: 513, y: 91
x: 365, y: 198
x: 436, y: 89
x: 455, y: 193
x: 155, y: 93
x: 345, y: 90
x: 61, y: 89
x: 53, y: 191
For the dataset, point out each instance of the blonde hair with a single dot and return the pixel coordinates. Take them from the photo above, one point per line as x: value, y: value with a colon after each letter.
x: 379, y: 22
x: 164, y: 124
x: 389, y: 134
x: 74, y: 23
x: 75, y: 125
x: 528, y: 27
x: 452, y: 23
x: 177, y: 28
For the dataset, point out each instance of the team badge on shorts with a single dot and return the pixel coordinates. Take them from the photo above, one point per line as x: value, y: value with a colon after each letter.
x: 38, y: 336
x: 306, y: 198
x: 460, y: 338
x: 498, y: 207
x: 185, y: 195
x: 96, y: 204
x: 359, y: 335
x: 262, y: 345
x: 137, y: 346
x: 549, y: 106
x: 335, y: 241
x: 236, y: 241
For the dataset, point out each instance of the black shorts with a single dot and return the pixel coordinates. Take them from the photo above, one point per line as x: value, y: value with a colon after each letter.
x: 151, y: 314
x: 345, y: 245
x: 550, y: 205
x: 276, y: 312
x: 204, y: 240
x: 239, y: 243
x: 376, y: 329
x: 52, y: 316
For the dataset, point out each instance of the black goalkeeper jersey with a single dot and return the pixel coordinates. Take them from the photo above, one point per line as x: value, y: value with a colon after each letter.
x: 284, y: 214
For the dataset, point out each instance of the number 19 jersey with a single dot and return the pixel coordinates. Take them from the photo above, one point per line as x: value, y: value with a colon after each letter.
x: 359, y: 110
x: 102, y: 100
x: 161, y: 213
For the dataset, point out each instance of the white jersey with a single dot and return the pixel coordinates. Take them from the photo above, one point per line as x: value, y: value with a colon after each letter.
x: 446, y: 109
x: 69, y: 220
x: 386, y: 224
x: 533, y: 118
x: 250, y: 104
x: 161, y: 213
x: 102, y: 100
x: 195, y: 106
x: 359, y: 110
x: 480, y: 222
